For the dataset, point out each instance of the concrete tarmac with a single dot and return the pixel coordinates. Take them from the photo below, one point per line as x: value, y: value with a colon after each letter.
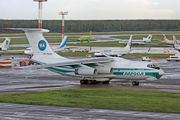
x: 34, y: 112
x: 15, y: 81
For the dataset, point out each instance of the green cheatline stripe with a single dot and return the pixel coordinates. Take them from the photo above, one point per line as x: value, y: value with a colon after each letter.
x: 60, y: 70
x: 154, y: 74
x: 67, y: 67
x: 37, y: 62
x: 118, y: 73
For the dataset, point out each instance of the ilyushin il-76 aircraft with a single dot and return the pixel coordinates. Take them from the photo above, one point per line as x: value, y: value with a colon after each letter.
x: 88, y: 71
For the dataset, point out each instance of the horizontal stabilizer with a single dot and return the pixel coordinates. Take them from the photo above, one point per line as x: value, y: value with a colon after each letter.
x: 28, y: 29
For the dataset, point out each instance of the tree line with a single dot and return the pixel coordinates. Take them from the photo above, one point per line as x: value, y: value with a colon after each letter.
x: 93, y: 25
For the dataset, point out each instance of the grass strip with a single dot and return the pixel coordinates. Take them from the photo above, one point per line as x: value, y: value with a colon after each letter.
x: 17, y: 48
x: 100, y: 99
x: 75, y: 53
x: 149, y: 55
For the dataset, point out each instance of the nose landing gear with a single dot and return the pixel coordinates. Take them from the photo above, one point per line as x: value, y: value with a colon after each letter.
x: 135, y: 83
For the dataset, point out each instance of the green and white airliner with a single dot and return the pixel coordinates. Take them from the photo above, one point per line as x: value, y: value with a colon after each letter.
x: 85, y: 38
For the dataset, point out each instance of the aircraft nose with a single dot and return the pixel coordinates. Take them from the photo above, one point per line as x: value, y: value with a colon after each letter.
x: 161, y: 72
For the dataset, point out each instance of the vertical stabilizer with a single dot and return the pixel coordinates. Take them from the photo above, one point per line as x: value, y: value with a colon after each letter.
x: 42, y: 52
x: 63, y: 43
x: 149, y: 37
x: 164, y: 37
x: 175, y: 41
x: 6, y: 43
x: 90, y: 33
x: 128, y: 46
x: 39, y: 44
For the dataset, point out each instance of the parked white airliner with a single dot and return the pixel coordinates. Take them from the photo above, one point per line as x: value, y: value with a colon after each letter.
x: 137, y: 42
x: 118, y: 52
x: 89, y: 71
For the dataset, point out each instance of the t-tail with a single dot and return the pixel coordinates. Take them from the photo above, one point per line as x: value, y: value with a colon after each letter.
x: 42, y: 52
x: 128, y: 46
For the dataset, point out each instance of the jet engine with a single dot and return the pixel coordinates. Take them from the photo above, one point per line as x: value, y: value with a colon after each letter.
x: 104, y: 70
x: 85, y: 71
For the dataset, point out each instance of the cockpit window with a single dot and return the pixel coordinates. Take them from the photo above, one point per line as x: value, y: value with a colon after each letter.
x: 97, y: 52
x: 153, y: 66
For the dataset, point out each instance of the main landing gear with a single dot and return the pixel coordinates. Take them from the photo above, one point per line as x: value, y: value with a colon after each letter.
x: 82, y: 82
x: 135, y: 83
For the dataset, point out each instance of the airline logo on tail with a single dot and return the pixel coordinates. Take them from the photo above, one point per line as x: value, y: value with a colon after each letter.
x: 150, y: 36
x: 164, y: 37
x: 175, y: 42
x: 42, y: 45
x: 90, y: 33
x: 7, y: 42
x: 64, y: 41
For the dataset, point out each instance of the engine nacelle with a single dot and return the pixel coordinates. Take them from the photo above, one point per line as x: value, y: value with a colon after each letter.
x: 104, y: 70
x: 85, y: 71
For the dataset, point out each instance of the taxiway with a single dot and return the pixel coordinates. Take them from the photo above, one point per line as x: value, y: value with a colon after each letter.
x: 16, y: 81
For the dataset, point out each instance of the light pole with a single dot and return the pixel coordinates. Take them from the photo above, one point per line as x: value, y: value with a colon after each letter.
x: 63, y: 13
x: 40, y: 13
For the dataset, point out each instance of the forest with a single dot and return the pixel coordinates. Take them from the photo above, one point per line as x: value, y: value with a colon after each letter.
x: 75, y: 26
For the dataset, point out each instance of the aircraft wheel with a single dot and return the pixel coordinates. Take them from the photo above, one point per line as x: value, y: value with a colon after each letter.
x: 105, y: 82
x: 94, y: 82
x: 91, y: 81
x: 135, y: 83
x: 83, y: 82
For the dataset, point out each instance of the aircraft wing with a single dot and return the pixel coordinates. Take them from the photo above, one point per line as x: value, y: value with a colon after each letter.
x: 70, y: 63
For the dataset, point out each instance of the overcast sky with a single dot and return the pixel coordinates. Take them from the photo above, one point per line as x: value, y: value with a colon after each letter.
x: 91, y: 9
